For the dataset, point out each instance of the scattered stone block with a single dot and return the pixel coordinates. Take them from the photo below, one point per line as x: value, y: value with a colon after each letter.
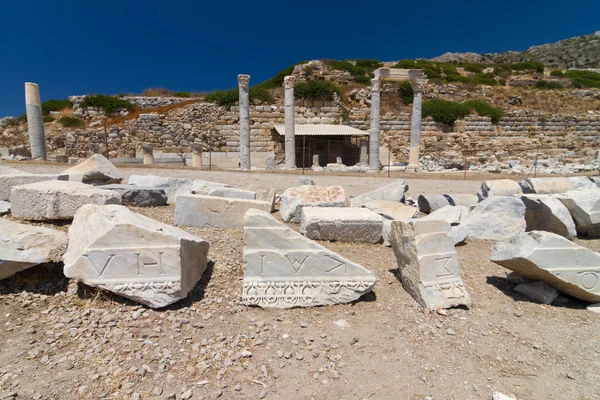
x: 548, y: 257
x: 7, y: 182
x: 269, y: 196
x: 204, y: 187
x: 215, y: 212
x: 283, y: 269
x: 303, y: 180
x: 545, y: 213
x: 538, y: 291
x: 499, y: 187
x: 139, y: 196
x: 595, y: 308
x: 134, y: 256
x: 393, y: 192
x: 428, y: 263
x: 496, y: 218
x: 391, y: 209
x: 466, y: 200
x: 584, y: 206
x: 172, y: 186
x: 54, y: 200
x: 24, y: 246
x: 556, y: 185
x: 294, y: 199
x: 357, y: 225
x: 595, y: 179
x: 459, y: 234
x: 232, y: 193
x: 4, y: 207
x: 453, y: 215
x: 386, y: 232
x: 430, y: 202
x: 96, y: 170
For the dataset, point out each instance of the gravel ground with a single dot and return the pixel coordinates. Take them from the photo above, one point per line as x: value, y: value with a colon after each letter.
x: 63, y: 340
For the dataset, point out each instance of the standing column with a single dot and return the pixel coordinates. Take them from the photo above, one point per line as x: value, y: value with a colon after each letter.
x: 243, y: 81
x: 290, y: 133
x: 364, y: 152
x: 415, y: 125
x: 196, y: 155
x: 35, y: 121
x: 374, y: 164
x: 148, y: 149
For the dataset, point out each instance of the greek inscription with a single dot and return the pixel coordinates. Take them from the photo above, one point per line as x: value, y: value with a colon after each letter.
x: 296, y: 263
x: 103, y: 268
x: 156, y: 264
x: 589, y: 279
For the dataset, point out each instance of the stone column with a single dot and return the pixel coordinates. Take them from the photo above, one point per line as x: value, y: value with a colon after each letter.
x: 364, y: 152
x: 290, y: 134
x: 415, y: 125
x: 244, y: 107
x: 148, y: 149
x: 35, y: 121
x: 315, y: 163
x: 196, y: 155
x: 374, y: 164
x: 94, y: 148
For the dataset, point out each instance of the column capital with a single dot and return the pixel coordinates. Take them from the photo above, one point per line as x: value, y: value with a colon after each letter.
x: 289, y: 81
x: 196, y: 148
x: 375, y: 85
x: 243, y: 80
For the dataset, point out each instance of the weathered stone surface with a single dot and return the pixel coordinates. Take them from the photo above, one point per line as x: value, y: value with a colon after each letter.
x: 23, y: 246
x: 96, y: 170
x: 466, y: 200
x: 204, y: 187
x: 139, y: 196
x: 357, y: 225
x: 268, y: 196
x: 283, y: 269
x: 6, y: 170
x: 584, y: 206
x: 57, y: 200
x: 428, y: 263
x: 499, y: 187
x: 595, y: 179
x: 232, y: 193
x: 595, y: 308
x: 459, y: 234
x: 538, y: 291
x: 386, y: 232
x: 7, y: 182
x: 430, y: 202
x: 294, y: 199
x: 393, y: 192
x: 556, y: 185
x: 216, y: 212
x: 4, y: 207
x: 303, y: 180
x: 545, y: 213
x: 548, y: 257
x: 391, y: 209
x: 149, y: 262
x: 453, y: 215
x: 496, y: 218
x: 174, y: 186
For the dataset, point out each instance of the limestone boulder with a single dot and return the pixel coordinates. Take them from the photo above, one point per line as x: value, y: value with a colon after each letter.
x: 215, y: 212
x: 428, y: 263
x: 24, y: 246
x: 391, y: 209
x: 7, y: 182
x: 430, y: 202
x: 343, y: 224
x: 139, y: 196
x: 269, y: 196
x: 499, y: 187
x: 232, y: 193
x: 204, y: 187
x: 538, y: 291
x: 283, y: 269
x: 556, y: 185
x: 392, y: 192
x: 548, y: 257
x: 172, y: 186
x: 453, y: 215
x: 545, y: 213
x: 56, y: 200
x: 496, y: 218
x: 96, y: 170
x: 584, y: 206
x: 459, y: 234
x: 296, y: 198
x: 115, y: 249
x: 465, y: 200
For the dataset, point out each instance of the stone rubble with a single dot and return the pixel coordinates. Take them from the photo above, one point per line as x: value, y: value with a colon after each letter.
x: 391, y: 209
x: 233, y: 193
x: 139, y: 196
x: 545, y: 213
x: 584, y: 206
x: 430, y: 202
x: 216, y: 212
x: 7, y: 182
x: 538, y: 291
x: 496, y: 218
x: 499, y: 187
x: 172, y: 186
x: 353, y: 225
x: 556, y: 185
x: 303, y: 180
x: 96, y: 170
x: 392, y: 192
x: 453, y: 215
x: 294, y: 199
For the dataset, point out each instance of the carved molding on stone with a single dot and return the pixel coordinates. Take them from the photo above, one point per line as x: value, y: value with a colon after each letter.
x: 243, y: 80
x: 289, y: 81
x: 375, y: 85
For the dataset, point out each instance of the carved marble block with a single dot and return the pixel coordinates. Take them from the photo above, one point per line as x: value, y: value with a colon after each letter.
x: 134, y: 256
x: 283, y: 269
x: 428, y: 263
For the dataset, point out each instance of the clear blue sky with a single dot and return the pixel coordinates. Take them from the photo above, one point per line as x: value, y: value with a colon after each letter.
x: 108, y: 46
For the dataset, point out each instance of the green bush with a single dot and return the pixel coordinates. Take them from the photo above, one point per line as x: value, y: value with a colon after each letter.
x: 228, y: 98
x: 109, y: 104
x: 181, y: 94
x: 475, y: 68
x: 316, y: 90
x: 55, y: 105
x: 277, y: 80
x: 583, y: 79
x: 48, y: 118
x: 257, y: 93
x: 406, y: 92
x: 486, y: 79
x: 528, y: 66
x: 557, y: 73
x: 502, y: 82
x: 485, y: 109
x: 71, y: 122
x: 362, y: 72
x: 447, y: 112
x: 548, y: 85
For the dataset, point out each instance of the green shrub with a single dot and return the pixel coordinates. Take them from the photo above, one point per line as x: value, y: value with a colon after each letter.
x: 71, y: 122
x: 406, y: 92
x: 485, y: 109
x: 528, y: 66
x: 362, y: 72
x: 316, y: 90
x: 277, y: 80
x: 48, y: 118
x: 486, y: 79
x: 228, y: 98
x: 502, y: 82
x: 257, y: 93
x: 447, y: 112
x: 583, y: 79
x: 475, y: 68
x: 55, y: 105
x: 557, y: 73
x: 548, y: 85
x: 109, y: 104
x: 181, y: 94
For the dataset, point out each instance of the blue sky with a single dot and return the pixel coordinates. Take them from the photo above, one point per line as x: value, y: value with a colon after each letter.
x: 79, y: 47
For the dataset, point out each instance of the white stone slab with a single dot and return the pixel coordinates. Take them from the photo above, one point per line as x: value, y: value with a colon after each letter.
x: 357, y: 225
x: 56, y: 200
x: 392, y: 192
x: 548, y: 257
x: 466, y: 200
x: 172, y: 186
x: 283, y: 269
x: 391, y: 209
x: 7, y: 182
x: 294, y: 199
x: 496, y: 218
x: 499, y: 187
x: 24, y: 246
x: 134, y: 256
x: 233, y: 193
x: 453, y: 215
x: 428, y: 263
x: 216, y: 212
x: 545, y: 213
x: 139, y: 196
x: 4, y: 207
x: 204, y: 187
x: 584, y: 206
x: 556, y: 185
x: 96, y: 170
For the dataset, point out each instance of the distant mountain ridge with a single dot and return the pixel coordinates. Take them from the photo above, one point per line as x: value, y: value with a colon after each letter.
x: 576, y: 52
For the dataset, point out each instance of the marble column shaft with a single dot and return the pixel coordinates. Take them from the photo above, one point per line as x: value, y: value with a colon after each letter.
x: 243, y: 81
x: 374, y: 164
x: 35, y: 121
x: 290, y: 134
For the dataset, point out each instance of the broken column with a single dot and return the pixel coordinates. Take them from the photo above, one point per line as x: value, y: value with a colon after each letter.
x: 196, y: 155
x: 244, y: 107
x: 148, y: 149
x: 415, y: 125
x: 290, y: 134
x: 35, y: 121
x: 364, y: 152
x: 374, y: 164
